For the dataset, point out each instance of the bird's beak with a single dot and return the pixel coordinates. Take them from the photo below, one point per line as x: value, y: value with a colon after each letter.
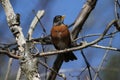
x: 63, y: 16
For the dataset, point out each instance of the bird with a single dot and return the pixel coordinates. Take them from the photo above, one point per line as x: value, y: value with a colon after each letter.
x: 61, y: 39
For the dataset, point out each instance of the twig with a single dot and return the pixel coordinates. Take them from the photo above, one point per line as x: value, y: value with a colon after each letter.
x: 93, y: 35
x: 103, y: 60
x: 105, y: 47
x: 60, y: 51
x: 71, y: 25
x: 116, y: 10
x: 74, y: 49
x: 87, y: 64
x: 34, y: 23
x: 43, y: 50
x: 45, y: 40
x: 45, y: 65
x: 81, y: 73
x: 10, y: 54
x: 117, y: 15
x: 8, y: 68
x: 18, y: 74
x: 44, y: 30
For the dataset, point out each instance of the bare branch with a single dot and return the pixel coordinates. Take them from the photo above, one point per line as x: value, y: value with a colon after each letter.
x: 43, y: 28
x: 28, y: 64
x: 104, y: 33
x: 34, y: 23
x: 105, y: 47
x: 85, y: 45
x: 60, y: 51
x: 18, y: 74
x: 13, y: 23
x: 82, y: 17
x: 93, y: 35
x: 87, y: 64
x: 103, y: 60
x: 44, y: 64
x: 8, y: 53
x: 44, y: 40
x: 9, y: 67
x: 117, y: 15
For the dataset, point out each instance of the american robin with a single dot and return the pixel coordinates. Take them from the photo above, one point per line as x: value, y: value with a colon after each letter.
x: 60, y: 36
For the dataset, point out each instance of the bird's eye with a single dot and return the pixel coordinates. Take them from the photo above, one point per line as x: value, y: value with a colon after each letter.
x: 59, y: 19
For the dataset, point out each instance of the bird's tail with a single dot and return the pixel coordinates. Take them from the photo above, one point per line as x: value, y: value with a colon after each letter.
x: 69, y: 56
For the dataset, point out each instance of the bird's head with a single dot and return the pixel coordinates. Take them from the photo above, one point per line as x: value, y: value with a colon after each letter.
x: 58, y: 20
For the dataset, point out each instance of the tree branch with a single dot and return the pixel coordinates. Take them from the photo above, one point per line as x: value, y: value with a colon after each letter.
x: 103, y: 59
x: 9, y: 68
x: 82, y: 17
x: 13, y: 22
x: 10, y: 54
x: 84, y: 45
x: 28, y: 64
x: 38, y: 16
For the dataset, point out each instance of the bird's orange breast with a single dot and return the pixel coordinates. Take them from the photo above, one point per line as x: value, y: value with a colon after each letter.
x: 60, y: 37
